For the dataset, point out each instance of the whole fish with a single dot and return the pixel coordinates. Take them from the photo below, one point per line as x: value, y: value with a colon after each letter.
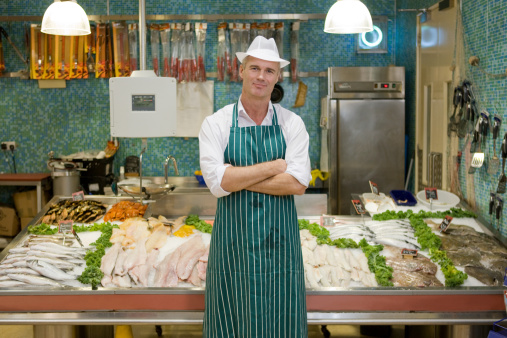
x: 55, y: 248
x: 33, y: 280
x: 397, y: 243
x: 12, y: 260
x: 59, y: 263
x: 67, y: 243
x: 411, y: 240
x: 11, y: 283
x: 19, y: 250
x: 48, y: 270
x: 18, y: 270
x: 55, y: 255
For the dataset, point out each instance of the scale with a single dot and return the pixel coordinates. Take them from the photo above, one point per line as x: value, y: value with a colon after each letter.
x: 143, y: 105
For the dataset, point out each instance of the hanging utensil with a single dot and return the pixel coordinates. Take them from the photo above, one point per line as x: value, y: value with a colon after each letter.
x: 503, y: 179
x: 478, y: 159
x: 458, y: 95
x: 473, y: 147
x: 4, y: 32
x: 494, y: 162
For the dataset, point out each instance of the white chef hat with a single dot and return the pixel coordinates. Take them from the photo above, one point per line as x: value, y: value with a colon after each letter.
x: 264, y: 49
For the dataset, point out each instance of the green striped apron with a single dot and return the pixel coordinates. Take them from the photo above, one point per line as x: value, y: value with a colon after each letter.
x: 255, y: 284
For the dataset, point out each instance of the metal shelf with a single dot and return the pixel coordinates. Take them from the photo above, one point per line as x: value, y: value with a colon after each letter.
x: 185, y: 17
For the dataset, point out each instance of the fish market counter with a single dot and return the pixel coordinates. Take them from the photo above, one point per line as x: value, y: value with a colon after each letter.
x: 466, y: 305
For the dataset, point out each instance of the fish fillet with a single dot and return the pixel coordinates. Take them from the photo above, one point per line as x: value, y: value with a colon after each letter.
x: 325, y: 279
x: 312, y: 275
x: 166, y: 270
x: 109, y: 259
x: 308, y: 256
x: 118, y: 268
x: 118, y: 236
x: 143, y: 271
x: 320, y: 255
x: 122, y: 281
x: 137, y: 256
x: 201, y: 267
x: 157, y: 239
x: 194, y: 277
x: 191, y: 251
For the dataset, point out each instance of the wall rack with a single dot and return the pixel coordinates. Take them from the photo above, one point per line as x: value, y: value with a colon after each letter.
x: 191, y: 17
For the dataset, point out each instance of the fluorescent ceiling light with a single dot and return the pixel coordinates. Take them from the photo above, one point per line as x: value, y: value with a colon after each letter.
x: 348, y: 17
x: 65, y: 17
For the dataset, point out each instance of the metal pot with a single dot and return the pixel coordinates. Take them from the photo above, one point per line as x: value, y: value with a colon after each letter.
x: 65, y: 177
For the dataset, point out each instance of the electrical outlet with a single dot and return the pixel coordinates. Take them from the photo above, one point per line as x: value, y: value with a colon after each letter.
x: 7, y: 145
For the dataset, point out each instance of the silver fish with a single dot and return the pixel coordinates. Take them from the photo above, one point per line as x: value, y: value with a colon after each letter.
x: 67, y: 243
x: 19, y: 250
x: 19, y: 264
x: 11, y: 283
x: 397, y: 243
x: 60, y: 263
x: 55, y: 255
x: 400, y: 238
x: 48, y: 270
x: 55, y: 248
x: 33, y: 280
x: 18, y: 270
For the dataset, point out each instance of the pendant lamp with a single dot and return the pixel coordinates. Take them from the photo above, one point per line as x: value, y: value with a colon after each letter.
x: 348, y: 17
x: 65, y: 17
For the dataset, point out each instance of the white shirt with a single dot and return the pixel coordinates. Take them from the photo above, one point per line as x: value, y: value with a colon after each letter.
x: 214, y: 138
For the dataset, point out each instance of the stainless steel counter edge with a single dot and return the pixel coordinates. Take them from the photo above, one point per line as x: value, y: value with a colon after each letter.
x: 196, y: 318
x: 330, y: 291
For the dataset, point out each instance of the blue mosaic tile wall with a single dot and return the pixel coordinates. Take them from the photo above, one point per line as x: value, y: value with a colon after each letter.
x: 77, y: 118
x: 485, y: 31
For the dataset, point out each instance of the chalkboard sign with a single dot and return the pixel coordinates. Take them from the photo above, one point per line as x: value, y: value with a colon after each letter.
x: 409, y: 253
x: 358, y: 206
x: 65, y: 227
x: 374, y: 188
x: 78, y: 196
x: 431, y: 193
x: 445, y: 223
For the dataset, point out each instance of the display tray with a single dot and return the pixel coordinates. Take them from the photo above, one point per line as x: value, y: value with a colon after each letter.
x: 324, y: 304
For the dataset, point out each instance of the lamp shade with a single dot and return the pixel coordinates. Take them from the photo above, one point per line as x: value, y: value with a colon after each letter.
x: 65, y: 18
x: 348, y: 17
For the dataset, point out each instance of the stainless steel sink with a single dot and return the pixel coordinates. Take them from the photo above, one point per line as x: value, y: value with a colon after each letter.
x: 182, y: 184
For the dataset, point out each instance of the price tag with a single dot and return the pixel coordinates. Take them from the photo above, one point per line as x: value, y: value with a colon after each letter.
x: 408, y: 253
x: 358, y: 206
x: 431, y: 193
x: 374, y: 187
x: 65, y: 227
x: 78, y: 196
x: 445, y: 223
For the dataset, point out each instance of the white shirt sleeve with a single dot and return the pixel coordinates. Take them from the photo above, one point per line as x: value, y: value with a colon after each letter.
x: 296, y: 155
x: 212, y: 144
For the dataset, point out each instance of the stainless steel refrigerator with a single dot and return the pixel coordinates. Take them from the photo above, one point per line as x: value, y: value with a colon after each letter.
x: 366, y: 132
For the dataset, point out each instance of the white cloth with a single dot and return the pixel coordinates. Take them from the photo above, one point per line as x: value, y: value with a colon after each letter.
x: 214, y: 138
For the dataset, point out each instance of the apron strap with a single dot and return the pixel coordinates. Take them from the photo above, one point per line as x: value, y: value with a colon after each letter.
x: 274, y: 121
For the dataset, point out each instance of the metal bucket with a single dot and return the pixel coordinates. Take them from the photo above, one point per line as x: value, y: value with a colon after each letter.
x: 65, y: 182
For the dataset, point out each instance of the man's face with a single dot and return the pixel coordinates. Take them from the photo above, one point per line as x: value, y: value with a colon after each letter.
x: 259, y: 76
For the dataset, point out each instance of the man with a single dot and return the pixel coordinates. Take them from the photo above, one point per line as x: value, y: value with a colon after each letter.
x: 254, y: 158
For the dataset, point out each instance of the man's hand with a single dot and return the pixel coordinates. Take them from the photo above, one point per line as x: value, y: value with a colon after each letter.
x: 279, y: 165
x: 239, y: 178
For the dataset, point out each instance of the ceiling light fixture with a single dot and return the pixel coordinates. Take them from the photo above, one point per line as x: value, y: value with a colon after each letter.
x: 348, y: 17
x: 65, y: 17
